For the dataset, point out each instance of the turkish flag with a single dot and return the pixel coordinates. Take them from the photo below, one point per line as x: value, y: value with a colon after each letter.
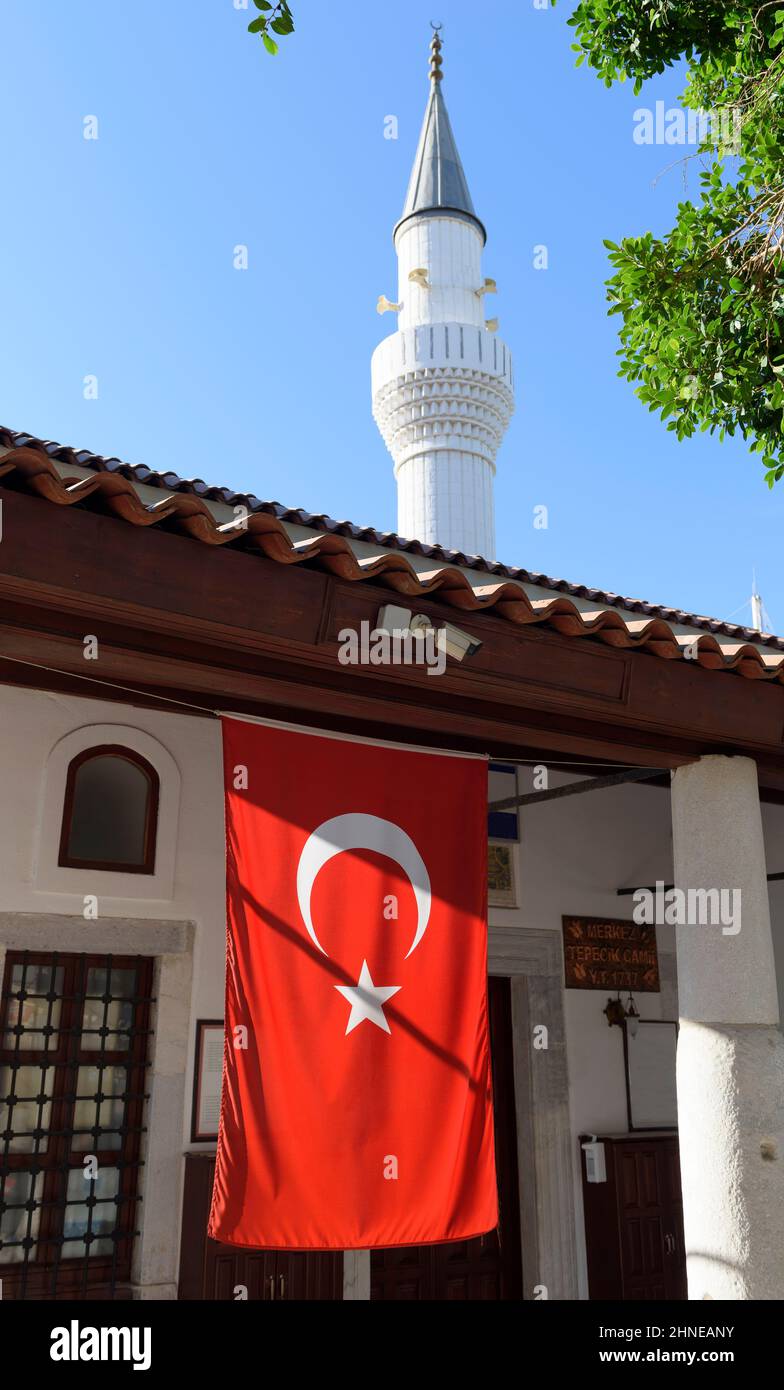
x: 356, y: 1107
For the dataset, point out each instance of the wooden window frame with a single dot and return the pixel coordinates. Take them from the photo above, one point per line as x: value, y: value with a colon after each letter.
x: 50, y: 1274
x: 114, y: 750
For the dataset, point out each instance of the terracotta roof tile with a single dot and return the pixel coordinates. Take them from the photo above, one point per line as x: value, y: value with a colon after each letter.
x: 464, y: 582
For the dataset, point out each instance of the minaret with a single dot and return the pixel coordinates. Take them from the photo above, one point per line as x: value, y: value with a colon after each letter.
x: 442, y: 384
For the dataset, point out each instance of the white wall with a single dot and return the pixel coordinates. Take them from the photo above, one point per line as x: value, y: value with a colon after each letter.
x: 574, y: 853
x: 33, y: 724
x: 38, y: 734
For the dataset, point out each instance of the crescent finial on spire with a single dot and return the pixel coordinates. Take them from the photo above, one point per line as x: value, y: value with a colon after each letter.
x: 435, y: 53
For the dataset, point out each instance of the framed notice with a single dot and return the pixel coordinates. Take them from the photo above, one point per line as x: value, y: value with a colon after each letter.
x: 501, y: 875
x: 609, y: 954
x: 649, y: 1057
x: 207, y: 1080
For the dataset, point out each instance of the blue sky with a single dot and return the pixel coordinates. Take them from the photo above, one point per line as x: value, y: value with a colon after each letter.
x: 116, y: 258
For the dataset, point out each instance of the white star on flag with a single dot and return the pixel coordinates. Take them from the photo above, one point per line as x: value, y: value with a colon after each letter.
x: 366, y: 1000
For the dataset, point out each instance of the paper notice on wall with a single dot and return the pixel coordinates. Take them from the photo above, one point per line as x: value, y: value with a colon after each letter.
x: 210, y: 1076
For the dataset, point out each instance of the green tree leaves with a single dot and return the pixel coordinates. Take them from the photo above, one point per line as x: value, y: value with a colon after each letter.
x: 702, y: 310
x: 276, y: 18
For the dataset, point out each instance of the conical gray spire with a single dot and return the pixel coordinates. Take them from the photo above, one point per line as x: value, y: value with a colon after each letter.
x: 438, y: 182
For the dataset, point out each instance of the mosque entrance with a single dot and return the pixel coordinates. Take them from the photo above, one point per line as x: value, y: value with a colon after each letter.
x: 488, y: 1268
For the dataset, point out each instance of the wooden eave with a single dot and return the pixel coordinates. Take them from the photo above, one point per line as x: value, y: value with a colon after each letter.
x: 224, y: 628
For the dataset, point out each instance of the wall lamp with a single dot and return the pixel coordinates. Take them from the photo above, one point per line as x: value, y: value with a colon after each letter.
x: 617, y: 1015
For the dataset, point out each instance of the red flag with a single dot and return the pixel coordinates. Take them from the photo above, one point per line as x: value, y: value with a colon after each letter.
x: 356, y: 1107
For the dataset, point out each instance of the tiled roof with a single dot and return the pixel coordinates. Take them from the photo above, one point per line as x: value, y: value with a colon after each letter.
x: 69, y: 477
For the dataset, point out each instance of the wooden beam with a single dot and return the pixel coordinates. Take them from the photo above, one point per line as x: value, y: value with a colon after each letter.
x: 667, y: 887
x: 391, y: 706
x: 216, y: 626
x: 591, y: 784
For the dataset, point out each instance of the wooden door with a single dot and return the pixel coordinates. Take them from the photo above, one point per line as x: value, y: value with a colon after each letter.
x: 211, y: 1270
x: 650, y: 1219
x: 642, y: 1218
x: 674, y: 1243
x: 488, y: 1268
x: 634, y: 1221
x: 227, y: 1270
x: 312, y: 1275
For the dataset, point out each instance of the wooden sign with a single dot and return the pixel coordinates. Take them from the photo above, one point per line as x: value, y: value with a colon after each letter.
x: 605, y: 953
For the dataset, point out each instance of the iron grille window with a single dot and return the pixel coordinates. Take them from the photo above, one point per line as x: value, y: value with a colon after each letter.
x: 74, y: 1033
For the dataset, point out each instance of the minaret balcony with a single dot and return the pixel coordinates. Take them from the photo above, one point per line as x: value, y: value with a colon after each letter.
x: 442, y: 346
x: 442, y: 386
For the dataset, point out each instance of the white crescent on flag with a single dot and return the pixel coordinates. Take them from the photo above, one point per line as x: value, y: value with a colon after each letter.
x: 357, y: 831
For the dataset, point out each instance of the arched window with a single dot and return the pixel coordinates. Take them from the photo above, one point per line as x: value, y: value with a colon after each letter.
x: 110, y: 814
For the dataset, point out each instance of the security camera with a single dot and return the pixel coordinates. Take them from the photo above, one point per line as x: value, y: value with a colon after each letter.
x: 453, y: 640
x: 456, y: 643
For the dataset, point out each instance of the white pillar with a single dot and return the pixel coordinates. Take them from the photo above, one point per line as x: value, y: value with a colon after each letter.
x: 356, y: 1275
x: 730, y: 1050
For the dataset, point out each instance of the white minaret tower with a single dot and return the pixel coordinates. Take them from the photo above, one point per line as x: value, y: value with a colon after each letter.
x: 442, y: 384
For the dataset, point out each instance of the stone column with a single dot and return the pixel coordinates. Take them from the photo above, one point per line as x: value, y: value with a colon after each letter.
x: 356, y: 1275
x: 730, y: 1051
